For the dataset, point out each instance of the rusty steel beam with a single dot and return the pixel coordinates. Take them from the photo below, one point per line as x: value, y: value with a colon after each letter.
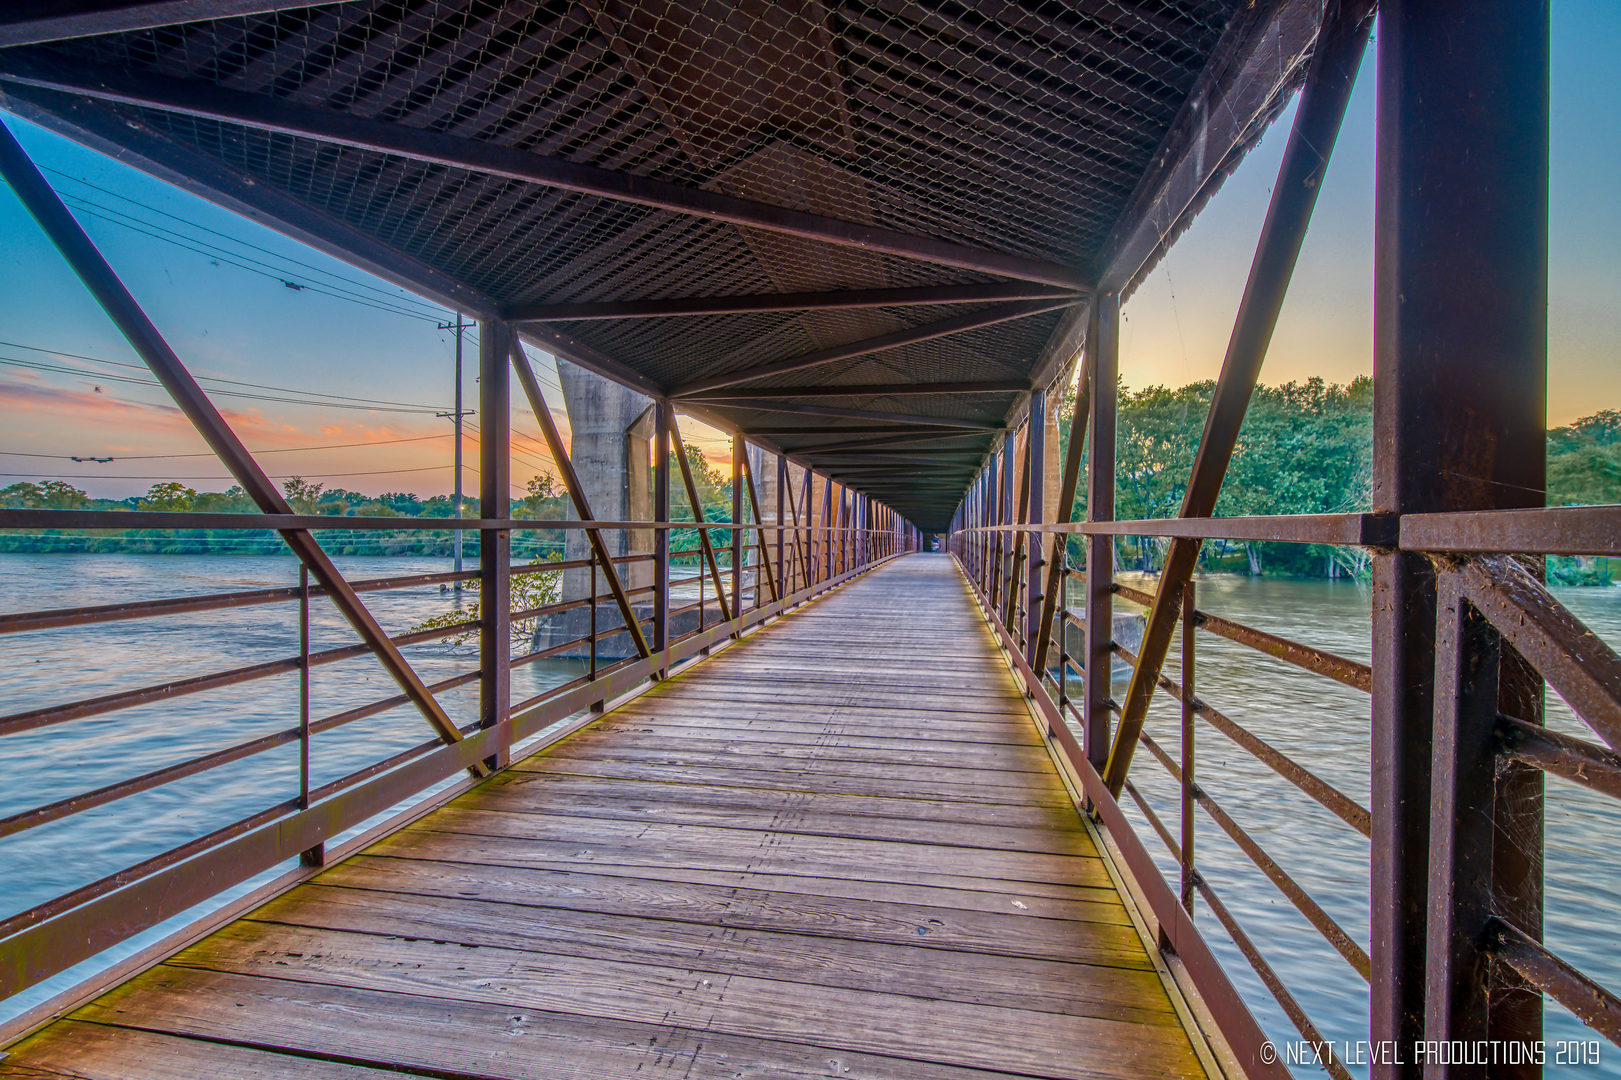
x: 996, y: 386
x: 663, y: 421
x: 1066, y: 505
x: 842, y: 300
x: 494, y: 545
x: 704, y: 543
x: 126, y: 313
x: 1035, y: 484
x: 783, y: 584
x: 1460, y: 424
x: 571, y: 481
x: 197, y: 98
x: 1103, y: 368
x: 1341, y: 44
x: 62, y: 20
x: 738, y: 452
x: 907, y: 419
x: 911, y: 335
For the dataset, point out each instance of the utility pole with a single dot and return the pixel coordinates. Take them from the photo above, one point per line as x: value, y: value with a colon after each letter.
x: 460, y: 327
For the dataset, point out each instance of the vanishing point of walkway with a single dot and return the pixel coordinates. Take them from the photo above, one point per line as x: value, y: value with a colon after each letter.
x: 835, y: 849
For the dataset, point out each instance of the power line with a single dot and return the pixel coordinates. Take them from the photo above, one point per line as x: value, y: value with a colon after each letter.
x: 214, y: 378
x: 396, y: 295
x: 277, y: 450
x: 103, y: 376
x: 283, y: 476
x: 115, y: 216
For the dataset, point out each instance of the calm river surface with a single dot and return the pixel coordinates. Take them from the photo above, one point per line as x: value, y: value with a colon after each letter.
x: 1318, y: 722
x: 1324, y: 726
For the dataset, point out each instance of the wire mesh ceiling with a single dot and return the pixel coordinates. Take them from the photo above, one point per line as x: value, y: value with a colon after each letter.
x: 1020, y: 128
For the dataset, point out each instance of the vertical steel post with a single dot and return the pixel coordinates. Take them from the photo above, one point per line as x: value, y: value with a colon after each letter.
x: 739, y: 448
x: 494, y: 545
x: 997, y: 506
x: 1190, y: 620
x: 1009, y: 516
x: 591, y: 559
x: 460, y: 326
x: 315, y: 856
x: 661, y: 535
x: 1036, y: 481
x: 785, y: 583
x: 1460, y: 423
x: 1103, y: 360
x: 1061, y: 602
x: 827, y: 526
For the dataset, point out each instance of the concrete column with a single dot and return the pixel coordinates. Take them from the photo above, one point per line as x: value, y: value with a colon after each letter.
x: 610, y: 427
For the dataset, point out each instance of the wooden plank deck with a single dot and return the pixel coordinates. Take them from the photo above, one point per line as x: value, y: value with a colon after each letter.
x: 835, y: 849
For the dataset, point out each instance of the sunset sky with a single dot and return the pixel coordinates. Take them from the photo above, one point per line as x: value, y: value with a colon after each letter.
x: 216, y: 285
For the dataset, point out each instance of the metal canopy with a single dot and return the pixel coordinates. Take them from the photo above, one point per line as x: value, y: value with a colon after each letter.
x: 870, y: 196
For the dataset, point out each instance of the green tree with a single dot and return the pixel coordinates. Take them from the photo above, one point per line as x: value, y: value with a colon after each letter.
x: 304, y: 496
x: 45, y: 495
x: 170, y: 497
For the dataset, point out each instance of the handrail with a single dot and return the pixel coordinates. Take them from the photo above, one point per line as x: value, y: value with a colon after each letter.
x: 1471, y: 553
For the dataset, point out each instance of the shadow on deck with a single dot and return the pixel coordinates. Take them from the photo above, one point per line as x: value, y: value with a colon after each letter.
x: 838, y: 848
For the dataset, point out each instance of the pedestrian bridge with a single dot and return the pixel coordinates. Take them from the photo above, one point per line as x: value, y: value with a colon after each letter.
x: 805, y: 803
x: 839, y: 847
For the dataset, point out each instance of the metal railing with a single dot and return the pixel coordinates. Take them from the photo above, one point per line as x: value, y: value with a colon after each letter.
x: 51, y: 936
x: 1484, y: 939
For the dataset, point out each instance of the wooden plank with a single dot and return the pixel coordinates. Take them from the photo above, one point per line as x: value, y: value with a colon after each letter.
x: 964, y: 920
x: 744, y: 704
x: 565, y: 792
x: 838, y: 848
x: 777, y: 781
x: 1042, y: 985
x: 74, y: 1050
x: 530, y: 835
x: 888, y: 725
x: 788, y: 815
x: 652, y: 745
x: 468, y: 1038
x: 945, y: 1032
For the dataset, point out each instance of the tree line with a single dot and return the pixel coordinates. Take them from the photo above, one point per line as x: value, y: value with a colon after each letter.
x: 1305, y: 448
x: 544, y: 499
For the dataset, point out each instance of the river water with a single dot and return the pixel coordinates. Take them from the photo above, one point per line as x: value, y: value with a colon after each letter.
x: 1318, y: 722
x: 1324, y: 726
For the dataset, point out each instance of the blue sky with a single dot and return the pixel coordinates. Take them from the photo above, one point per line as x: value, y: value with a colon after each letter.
x: 216, y: 285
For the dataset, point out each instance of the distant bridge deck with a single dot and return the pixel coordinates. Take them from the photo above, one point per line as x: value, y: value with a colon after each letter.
x: 838, y: 848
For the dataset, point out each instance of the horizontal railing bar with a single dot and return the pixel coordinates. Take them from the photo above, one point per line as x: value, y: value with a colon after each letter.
x: 1548, y: 530
x: 29, y: 819
x: 86, y: 707
x: 1318, y: 662
x: 1576, y: 760
x: 67, y: 901
x: 1337, y: 530
x: 32, y: 520
x: 95, y: 916
x: 1331, y: 930
x: 1327, y: 795
x: 20, y: 622
x: 1593, y: 1005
